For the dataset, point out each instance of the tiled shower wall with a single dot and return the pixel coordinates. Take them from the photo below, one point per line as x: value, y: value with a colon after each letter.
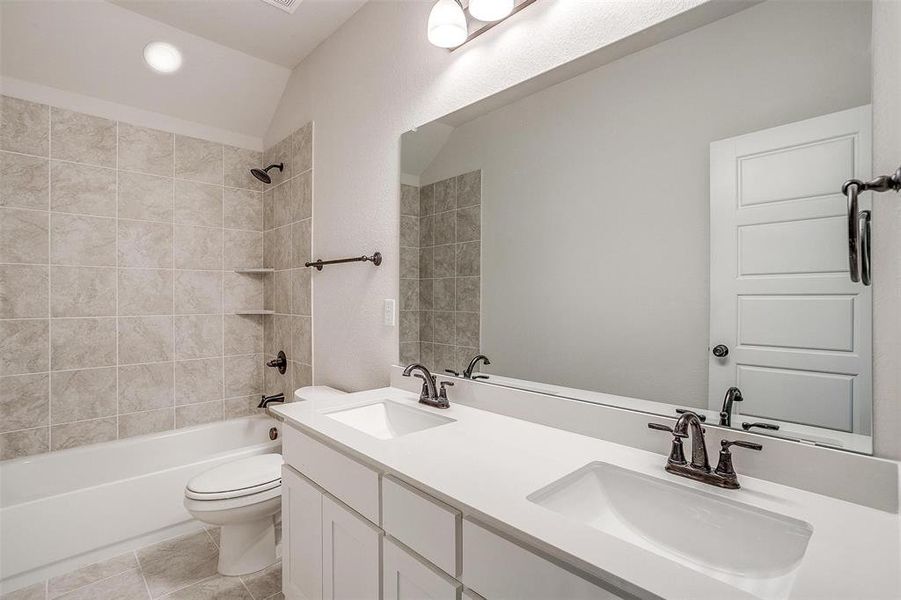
x: 118, y: 290
x: 287, y: 219
x: 440, y: 272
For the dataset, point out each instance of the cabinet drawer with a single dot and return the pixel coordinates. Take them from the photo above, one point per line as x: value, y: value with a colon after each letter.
x: 427, y: 526
x: 406, y: 577
x: 498, y: 568
x: 351, y: 482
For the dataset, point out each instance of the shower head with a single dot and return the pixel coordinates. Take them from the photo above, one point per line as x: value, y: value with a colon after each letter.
x: 263, y: 174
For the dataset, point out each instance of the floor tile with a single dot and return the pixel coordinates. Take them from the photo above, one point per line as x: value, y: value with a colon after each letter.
x: 215, y: 588
x: 32, y: 592
x: 179, y: 562
x: 62, y: 584
x: 125, y: 586
x: 265, y: 583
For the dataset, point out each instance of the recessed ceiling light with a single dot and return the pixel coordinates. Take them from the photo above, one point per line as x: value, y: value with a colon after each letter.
x: 162, y: 57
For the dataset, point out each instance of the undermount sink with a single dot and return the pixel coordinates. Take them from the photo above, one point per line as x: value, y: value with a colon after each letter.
x: 386, y: 420
x: 748, y: 547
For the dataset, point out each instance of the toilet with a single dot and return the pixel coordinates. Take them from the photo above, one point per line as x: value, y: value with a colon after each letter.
x: 242, y: 497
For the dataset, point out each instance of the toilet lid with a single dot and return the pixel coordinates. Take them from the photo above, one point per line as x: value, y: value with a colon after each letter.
x: 242, y: 477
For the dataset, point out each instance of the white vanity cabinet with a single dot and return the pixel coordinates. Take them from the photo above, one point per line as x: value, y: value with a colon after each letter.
x: 351, y: 533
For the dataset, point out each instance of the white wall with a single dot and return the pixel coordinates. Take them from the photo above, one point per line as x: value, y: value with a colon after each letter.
x: 595, y: 194
x: 377, y: 77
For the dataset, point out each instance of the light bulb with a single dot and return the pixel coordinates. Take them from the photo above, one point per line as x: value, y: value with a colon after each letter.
x: 447, y: 24
x: 490, y: 10
x: 162, y: 57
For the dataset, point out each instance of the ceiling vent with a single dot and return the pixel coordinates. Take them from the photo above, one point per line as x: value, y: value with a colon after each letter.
x: 289, y: 6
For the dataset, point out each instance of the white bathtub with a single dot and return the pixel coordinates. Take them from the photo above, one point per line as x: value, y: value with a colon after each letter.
x: 66, y: 509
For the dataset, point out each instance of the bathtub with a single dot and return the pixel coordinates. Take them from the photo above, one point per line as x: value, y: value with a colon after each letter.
x: 66, y: 509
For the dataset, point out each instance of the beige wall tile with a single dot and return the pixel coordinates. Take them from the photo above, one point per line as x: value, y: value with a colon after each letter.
x: 277, y: 248
x: 82, y: 138
x: 443, y: 322
x: 469, y: 224
x: 243, y: 209
x: 146, y: 387
x: 242, y: 292
x: 468, y: 294
x: 301, y: 376
x: 445, y: 195
x: 26, y: 442
x: 146, y: 197
x: 243, y: 375
x: 426, y: 231
x: 145, y: 292
x: 302, y: 149
x: 24, y: 401
x: 284, y: 211
x: 245, y: 406
x: 409, y: 263
x: 444, y: 294
x: 82, y: 241
x: 143, y: 244
x: 242, y: 249
x: 280, y: 153
x: 198, y: 160
x: 243, y: 334
x: 82, y: 343
x: 277, y: 292
x: 145, y: 339
x: 23, y: 346
x: 301, y: 293
x: 82, y: 433
x: 426, y: 326
x: 301, y: 196
x: 237, y: 165
x: 409, y: 200
x: 83, y: 292
x: 198, y: 380
x: 198, y: 336
x: 426, y: 200
x: 301, y: 342
x: 82, y: 189
x: 24, y: 236
x: 445, y: 228
x: 82, y: 394
x: 24, y: 181
x: 409, y: 353
x: 409, y: 231
x: 61, y: 584
x: 145, y: 150
x: 198, y: 414
x: 300, y: 243
x: 467, y: 324
x: 276, y: 335
x: 24, y: 291
x: 198, y: 203
x: 469, y: 189
x: 468, y: 259
x: 409, y: 326
x: 24, y: 126
x: 444, y: 262
x: 409, y: 296
x: 198, y: 292
x: 198, y: 247
x: 142, y: 423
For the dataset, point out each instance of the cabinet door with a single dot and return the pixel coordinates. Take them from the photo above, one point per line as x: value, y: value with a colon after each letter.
x: 351, y: 554
x: 406, y: 577
x: 302, y: 539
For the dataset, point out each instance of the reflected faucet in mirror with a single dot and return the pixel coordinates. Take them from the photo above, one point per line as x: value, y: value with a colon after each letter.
x: 733, y: 395
x: 689, y: 424
x: 468, y: 371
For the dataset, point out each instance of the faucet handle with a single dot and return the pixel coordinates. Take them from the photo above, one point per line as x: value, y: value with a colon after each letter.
x: 452, y: 372
x: 741, y: 444
x: 724, y: 467
x: 660, y: 427
x: 442, y: 394
x: 676, y: 453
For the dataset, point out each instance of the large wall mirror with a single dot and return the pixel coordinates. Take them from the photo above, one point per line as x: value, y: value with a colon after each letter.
x: 665, y: 231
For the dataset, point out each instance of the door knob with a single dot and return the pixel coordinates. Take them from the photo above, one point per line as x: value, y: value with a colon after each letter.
x: 720, y: 351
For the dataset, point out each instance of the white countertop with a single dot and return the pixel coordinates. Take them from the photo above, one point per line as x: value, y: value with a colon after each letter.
x: 486, y: 465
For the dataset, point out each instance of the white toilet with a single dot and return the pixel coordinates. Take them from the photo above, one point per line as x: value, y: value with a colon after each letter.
x: 242, y: 497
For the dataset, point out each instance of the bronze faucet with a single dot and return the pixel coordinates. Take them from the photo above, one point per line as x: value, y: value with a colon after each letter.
x: 699, y: 468
x: 429, y: 395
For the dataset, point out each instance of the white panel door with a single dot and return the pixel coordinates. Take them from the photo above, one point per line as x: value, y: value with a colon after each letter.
x: 302, y: 537
x: 406, y: 577
x: 798, y: 330
x: 351, y: 554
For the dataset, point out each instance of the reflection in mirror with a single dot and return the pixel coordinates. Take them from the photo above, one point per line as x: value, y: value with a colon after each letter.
x: 660, y: 229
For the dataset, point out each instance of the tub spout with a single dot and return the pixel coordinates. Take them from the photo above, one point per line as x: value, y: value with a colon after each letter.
x: 267, y: 400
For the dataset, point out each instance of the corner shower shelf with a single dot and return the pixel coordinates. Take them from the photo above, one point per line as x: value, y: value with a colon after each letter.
x: 254, y: 311
x: 255, y: 271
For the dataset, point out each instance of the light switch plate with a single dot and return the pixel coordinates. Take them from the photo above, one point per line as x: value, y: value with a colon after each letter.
x: 390, y: 315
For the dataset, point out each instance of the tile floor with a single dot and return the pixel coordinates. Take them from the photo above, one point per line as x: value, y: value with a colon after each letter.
x: 181, y: 568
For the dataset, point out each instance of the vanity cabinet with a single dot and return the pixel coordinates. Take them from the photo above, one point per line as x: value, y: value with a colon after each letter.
x: 406, y: 577
x: 353, y: 533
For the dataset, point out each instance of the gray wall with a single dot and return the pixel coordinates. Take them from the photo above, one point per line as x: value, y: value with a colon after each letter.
x: 595, y: 193
x: 118, y: 246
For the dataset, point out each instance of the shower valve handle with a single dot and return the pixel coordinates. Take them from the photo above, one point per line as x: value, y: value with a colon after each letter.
x: 280, y: 362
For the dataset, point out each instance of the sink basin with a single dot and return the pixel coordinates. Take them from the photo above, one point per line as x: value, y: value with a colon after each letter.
x: 387, y: 420
x: 745, y: 546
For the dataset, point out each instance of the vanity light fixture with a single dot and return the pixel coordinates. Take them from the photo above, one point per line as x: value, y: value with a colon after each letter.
x: 447, y: 24
x: 162, y: 57
x: 490, y: 10
x: 452, y: 23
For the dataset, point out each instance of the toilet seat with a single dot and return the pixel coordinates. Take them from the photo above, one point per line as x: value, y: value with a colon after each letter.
x: 238, y: 479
